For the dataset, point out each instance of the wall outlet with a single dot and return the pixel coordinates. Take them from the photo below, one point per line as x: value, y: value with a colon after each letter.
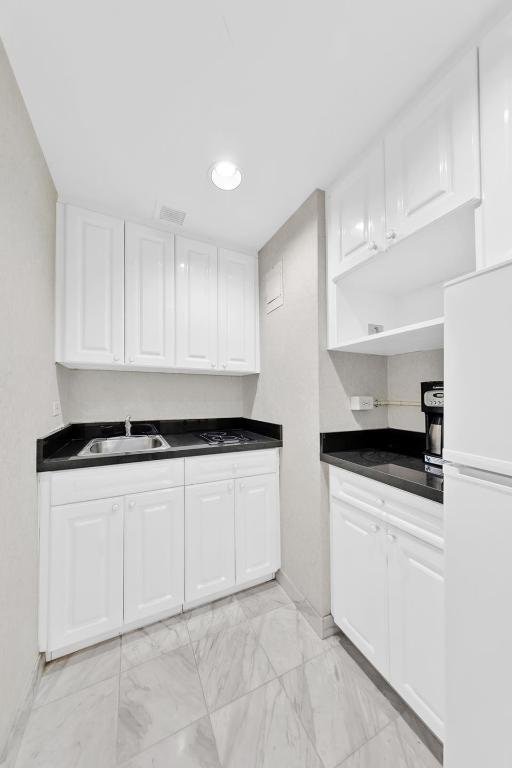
x: 56, y: 408
x: 374, y: 328
x: 362, y: 403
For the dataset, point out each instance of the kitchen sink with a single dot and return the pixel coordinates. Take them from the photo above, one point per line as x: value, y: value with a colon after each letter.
x: 108, y: 446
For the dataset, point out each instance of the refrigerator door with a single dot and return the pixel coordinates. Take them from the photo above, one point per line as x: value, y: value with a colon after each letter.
x: 478, y: 530
x: 478, y: 370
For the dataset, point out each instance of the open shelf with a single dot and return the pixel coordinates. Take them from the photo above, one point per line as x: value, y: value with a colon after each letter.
x: 408, y: 338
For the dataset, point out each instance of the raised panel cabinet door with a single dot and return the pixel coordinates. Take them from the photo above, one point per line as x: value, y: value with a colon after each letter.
x: 356, y: 213
x: 359, y: 581
x: 196, y: 304
x: 432, y: 153
x: 238, y: 291
x: 149, y: 296
x: 258, y: 551
x: 85, y: 571
x: 416, y: 626
x: 154, y: 553
x: 209, y: 539
x: 93, y: 286
x: 496, y: 143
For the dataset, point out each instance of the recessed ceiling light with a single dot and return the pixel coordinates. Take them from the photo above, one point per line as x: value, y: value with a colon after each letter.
x: 226, y: 175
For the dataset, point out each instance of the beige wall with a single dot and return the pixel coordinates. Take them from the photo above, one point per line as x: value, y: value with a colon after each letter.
x: 287, y: 391
x: 28, y: 383
x: 112, y: 395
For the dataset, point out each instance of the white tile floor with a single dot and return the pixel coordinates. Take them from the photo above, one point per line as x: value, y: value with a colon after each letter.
x: 241, y: 683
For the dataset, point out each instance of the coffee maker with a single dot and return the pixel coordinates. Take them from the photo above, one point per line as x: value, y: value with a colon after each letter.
x: 432, y: 405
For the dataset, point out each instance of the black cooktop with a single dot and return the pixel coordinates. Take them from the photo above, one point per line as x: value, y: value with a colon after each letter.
x: 231, y: 437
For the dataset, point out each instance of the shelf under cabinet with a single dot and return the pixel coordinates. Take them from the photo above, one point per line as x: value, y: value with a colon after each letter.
x: 417, y: 337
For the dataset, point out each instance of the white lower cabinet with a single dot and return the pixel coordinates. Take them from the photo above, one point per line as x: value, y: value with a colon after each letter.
x: 153, y: 553
x: 358, y: 581
x: 209, y: 539
x: 256, y: 527
x: 108, y: 565
x: 85, y: 571
x: 416, y: 625
x: 387, y: 586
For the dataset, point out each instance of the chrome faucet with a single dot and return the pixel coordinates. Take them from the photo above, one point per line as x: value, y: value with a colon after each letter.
x: 128, y: 427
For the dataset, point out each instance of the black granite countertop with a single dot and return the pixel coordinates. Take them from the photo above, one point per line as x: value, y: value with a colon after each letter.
x: 391, y: 456
x: 60, y: 449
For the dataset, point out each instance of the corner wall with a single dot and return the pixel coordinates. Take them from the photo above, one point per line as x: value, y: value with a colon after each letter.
x: 28, y: 384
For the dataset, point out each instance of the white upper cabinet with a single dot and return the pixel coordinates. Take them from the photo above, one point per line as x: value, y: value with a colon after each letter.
x: 139, y: 298
x: 196, y: 304
x: 238, y: 294
x: 149, y: 296
x: 153, y: 553
x: 90, y: 287
x: 494, y: 216
x: 432, y: 153
x: 356, y: 213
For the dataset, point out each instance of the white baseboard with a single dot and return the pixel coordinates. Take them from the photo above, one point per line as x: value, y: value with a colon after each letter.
x: 324, y: 626
x: 10, y: 750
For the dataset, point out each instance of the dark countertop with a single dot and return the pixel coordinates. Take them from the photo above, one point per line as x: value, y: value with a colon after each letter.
x: 391, y: 456
x: 59, y: 449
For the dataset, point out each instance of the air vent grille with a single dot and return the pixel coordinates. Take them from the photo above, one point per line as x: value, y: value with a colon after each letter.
x: 171, y: 215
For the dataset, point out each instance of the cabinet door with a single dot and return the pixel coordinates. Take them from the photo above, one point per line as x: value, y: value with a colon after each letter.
x: 93, y: 285
x: 496, y: 144
x: 355, y: 213
x: 416, y: 626
x: 149, y: 296
x: 432, y: 153
x: 154, y: 542
x: 209, y: 539
x: 359, y: 581
x: 86, y: 571
x: 196, y: 304
x: 258, y: 551
x: 238, y: 280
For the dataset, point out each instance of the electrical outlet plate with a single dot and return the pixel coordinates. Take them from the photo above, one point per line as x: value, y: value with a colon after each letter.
x: 362, y: 403
x: 56, y: 408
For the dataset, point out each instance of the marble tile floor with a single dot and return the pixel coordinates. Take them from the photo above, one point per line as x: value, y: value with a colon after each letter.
x: 241, y: 683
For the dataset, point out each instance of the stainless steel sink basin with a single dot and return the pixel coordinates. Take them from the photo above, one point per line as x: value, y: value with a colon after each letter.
x: 109, y: 446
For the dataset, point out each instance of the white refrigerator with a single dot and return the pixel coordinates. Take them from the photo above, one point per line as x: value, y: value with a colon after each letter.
x: 478, y: 519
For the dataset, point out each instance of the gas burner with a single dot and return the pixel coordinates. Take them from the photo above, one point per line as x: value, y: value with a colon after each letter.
x: 234, y: 437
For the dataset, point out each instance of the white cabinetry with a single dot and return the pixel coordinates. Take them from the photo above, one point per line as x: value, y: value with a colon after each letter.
x: 238, y: 327
x: 494, y: 217
x: 128, y: 301
x: 256, y: 527
x: 355, y: 205
x: 122, y: 546
x: 358, y: 580
x: 416, y: 625
x: 209, y: 539
x: 85, y: 571
x: 387, y: 585
x: 432, y: 153
x: 149, y: 297
x: 196, y: 304
x: 90, y: 287
x: 153, y: 553
x: 398, y: 228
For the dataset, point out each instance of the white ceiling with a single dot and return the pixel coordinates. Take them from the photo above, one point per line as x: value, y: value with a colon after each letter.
x: 133, y: 101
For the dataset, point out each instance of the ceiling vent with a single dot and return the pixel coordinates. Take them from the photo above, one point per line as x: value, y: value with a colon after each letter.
x: 170, y: 215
